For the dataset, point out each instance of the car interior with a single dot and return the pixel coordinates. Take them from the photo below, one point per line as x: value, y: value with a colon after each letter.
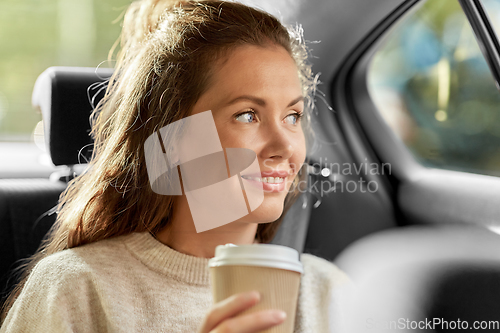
x: 416, y: 233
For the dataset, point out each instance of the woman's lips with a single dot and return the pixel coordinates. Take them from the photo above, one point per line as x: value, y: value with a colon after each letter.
x: 274, y: 181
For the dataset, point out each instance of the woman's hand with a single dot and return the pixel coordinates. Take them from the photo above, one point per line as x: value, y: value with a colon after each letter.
x: 223, y: 316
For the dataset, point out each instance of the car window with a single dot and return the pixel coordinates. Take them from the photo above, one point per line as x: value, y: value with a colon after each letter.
x: 35, y: 35
x: 433, y: 88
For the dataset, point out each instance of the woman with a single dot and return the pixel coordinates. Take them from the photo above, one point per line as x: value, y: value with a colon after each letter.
x: 122, y: 258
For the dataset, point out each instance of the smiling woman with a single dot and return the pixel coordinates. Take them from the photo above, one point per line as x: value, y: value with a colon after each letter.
x: 262, y: 116
x: 132, y: 258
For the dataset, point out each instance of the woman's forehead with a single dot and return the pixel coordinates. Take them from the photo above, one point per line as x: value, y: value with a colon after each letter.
x: 255, y: 70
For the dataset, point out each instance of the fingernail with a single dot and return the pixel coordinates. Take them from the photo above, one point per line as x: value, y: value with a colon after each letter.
x: 253, y: 295
x: 280, y: 315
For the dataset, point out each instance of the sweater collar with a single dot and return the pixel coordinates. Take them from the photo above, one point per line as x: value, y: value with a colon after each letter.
x: 163, y: 259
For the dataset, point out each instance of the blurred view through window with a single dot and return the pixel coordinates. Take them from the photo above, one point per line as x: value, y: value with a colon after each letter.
x: 431, y: 84
x: 37, y: 34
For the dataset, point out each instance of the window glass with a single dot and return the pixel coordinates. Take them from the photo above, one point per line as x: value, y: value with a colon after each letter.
x: 35, y: 35
x: 492, y: 8
x: 432, y: 86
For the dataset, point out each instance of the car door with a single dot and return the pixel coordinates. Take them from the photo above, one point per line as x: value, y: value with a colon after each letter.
x: 409, y: 114
x: 414, y: 107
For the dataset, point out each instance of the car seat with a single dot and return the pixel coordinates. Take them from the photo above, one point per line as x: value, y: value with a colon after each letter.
x: 427, y: 275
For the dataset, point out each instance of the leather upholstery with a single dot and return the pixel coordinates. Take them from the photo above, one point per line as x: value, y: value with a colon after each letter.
x: 23, y: 223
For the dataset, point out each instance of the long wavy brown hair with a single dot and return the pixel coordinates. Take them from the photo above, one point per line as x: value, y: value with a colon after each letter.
x: 168, y: 52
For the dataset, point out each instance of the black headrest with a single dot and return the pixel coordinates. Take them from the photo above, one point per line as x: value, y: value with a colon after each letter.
x: 66, y: 97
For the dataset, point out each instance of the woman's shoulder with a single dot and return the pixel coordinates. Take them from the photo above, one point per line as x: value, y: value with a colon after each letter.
x: 319, y: 268
x: 46, y: 302
x: 78, y: 260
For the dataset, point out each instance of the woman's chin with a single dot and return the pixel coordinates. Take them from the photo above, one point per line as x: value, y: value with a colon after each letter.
x: 269, y: 211
x: 266, y: 213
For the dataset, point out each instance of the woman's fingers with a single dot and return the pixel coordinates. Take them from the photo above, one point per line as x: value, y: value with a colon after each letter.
x: 251, y: 323
x: 223, y: 318
x: 230, y: 307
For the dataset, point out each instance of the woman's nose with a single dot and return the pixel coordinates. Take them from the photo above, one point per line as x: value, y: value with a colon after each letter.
x: 278, y: 143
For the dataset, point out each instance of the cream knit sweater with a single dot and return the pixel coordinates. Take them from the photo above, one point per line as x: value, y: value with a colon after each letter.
x: 134, y: 283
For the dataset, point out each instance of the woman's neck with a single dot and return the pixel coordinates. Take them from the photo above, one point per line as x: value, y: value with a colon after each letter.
x: 180, y: 234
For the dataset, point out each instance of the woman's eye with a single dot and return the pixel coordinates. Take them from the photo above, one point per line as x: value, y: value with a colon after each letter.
x: 292, y: 119
x: 246, y: 117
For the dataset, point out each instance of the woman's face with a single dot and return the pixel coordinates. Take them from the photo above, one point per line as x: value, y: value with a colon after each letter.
x: 256, y: 100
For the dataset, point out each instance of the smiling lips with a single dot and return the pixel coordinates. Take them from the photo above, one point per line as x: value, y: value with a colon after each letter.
x: 271, y: 181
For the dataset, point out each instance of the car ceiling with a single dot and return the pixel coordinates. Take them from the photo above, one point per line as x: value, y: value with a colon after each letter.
x: 343, y: 24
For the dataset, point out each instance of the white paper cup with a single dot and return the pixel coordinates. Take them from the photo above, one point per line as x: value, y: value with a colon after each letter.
x: 273, y: 270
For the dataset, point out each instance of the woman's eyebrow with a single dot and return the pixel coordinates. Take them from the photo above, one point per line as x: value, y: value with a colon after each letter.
x: 260, y: 101
x: 295, y: 101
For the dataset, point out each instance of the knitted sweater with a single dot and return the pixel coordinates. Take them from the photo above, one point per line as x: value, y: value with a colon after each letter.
x: 134, y: 283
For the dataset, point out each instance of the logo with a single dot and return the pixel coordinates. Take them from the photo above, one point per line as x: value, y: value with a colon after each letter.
x: 186, y: 157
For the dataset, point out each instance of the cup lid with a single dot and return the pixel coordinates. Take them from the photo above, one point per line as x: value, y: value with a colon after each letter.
x: 264, y: 255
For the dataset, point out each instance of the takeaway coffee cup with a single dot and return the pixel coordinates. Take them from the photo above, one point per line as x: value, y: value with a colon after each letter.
x: 273, y: 270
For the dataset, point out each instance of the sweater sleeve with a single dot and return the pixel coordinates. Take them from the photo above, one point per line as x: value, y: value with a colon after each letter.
x: 59, y: 296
